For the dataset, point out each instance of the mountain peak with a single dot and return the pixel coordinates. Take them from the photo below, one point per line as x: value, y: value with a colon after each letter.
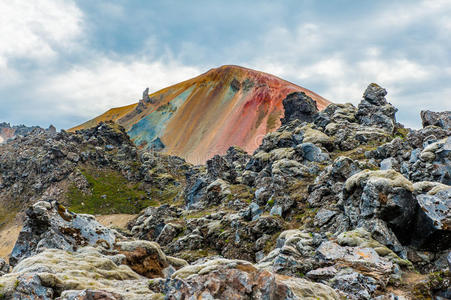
x: 203, y: 116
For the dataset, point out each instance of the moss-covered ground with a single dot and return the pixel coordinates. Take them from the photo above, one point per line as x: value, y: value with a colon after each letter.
x: 110, y: 193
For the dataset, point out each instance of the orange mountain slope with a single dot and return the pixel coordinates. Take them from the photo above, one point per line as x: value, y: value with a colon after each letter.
x: 205, y: 115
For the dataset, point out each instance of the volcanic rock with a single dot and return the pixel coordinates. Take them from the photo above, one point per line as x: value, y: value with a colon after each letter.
x: 298, y: 106
x: 375, y: 110
x: 49, y: 225
x: 440, y: 119
x: 433, y: 224
x: 235, y: 279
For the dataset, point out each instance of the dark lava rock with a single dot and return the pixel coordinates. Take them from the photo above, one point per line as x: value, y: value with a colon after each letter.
x: 299, y: 106
x: 374, y: 110
x: 433, y: 225
x: 218, y: 167
x: 440, y: 119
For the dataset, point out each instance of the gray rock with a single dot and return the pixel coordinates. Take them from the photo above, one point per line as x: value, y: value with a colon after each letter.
x: 354, y: 284
x: 4, y: 267
x: 188, y: 242
x: 331, y: 251
x: 385, y: 195
x: 195, y: 192
x: 50, y: 225
x: 252, y: 212
x: 375, y: 94
x: 374, y: 110
x: 168, y: 233
x: 322, y: 273
x: 31, y: 284
x: 234, y: 279
x: 388, y: 163
x: 146, y: 97
x: 89, y: 294
x: 276, y: 210
x: 323, y: 216
x: 440, y: 119
x: 433, y: 224
x: 151, y: 222
x: 312, y: 152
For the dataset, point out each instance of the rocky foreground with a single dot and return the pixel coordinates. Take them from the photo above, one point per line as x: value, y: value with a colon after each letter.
x: 345, y: 203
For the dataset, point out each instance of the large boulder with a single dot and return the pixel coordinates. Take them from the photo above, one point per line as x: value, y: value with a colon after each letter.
x: 374, y: 110
x: 147, y: 258
x: 440, y: 119
x: 50, y: 225
x: 433, y: 224
x: 434, y: 162
x: 299, y: 106
x: 53, y: 271
x: 385, y: 195
x: 237, y: 279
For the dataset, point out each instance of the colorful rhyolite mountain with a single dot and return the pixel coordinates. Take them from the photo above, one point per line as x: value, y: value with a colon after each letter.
x: 205, y: 115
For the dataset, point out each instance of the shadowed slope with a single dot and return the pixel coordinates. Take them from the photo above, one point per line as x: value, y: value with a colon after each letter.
x: 205, y: 115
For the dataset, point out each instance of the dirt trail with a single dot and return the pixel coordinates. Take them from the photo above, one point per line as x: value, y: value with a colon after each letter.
x: 8, y: 237
x: 116, y: 220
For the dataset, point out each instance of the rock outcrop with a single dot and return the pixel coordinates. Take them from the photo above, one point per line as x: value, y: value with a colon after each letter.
x: 298, y: 106
x: 50, y: 225
x: 375, y: 110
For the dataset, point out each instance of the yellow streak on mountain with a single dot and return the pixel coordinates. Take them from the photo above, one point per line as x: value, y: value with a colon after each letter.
x: 113, y: 114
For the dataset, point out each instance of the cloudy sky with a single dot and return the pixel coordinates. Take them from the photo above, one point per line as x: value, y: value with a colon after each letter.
x: 63, y: 61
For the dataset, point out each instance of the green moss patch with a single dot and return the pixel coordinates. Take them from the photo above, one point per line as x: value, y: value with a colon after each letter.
x: 110, y: 193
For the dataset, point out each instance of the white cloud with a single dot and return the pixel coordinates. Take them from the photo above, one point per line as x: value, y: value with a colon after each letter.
x: 36, y: 29
x: 89, y: 90
x: 8, y: 75
x: 404, y: 47
x: 401, y: 15
x: 389, y: 71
